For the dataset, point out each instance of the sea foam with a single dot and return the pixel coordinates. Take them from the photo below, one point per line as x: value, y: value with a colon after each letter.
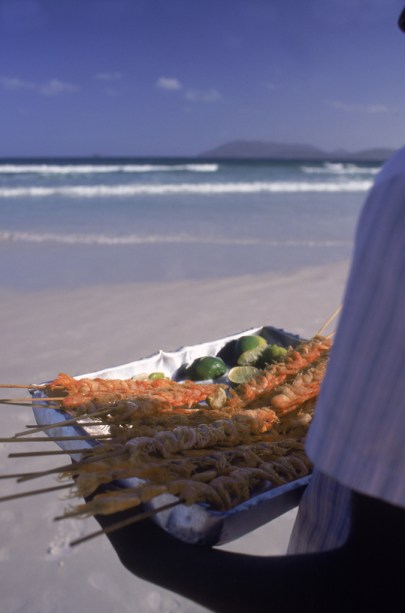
x: 154, y: 239
x: 340, y: 168
x: 86, y: 169
x: 125, y: 190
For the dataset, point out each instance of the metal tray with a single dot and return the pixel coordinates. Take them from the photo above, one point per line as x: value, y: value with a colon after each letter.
x: 196, y: 524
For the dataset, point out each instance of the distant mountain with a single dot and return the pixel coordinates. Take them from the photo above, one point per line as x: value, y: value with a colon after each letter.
x: 377, y: 154
x: 245, y: 149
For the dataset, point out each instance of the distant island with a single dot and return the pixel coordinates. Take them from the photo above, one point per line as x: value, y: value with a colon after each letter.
x: 250, y: 149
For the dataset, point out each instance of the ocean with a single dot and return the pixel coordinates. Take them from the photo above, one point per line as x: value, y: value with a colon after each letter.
x: 75, y: 222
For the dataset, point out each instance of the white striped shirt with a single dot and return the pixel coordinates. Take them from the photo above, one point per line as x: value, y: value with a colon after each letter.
x: 357, y: 438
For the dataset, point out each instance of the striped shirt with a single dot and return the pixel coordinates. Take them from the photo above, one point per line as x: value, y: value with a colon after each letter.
x: 357, y: 438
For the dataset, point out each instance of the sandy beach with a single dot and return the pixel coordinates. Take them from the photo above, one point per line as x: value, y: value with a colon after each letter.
x: 86, y: 329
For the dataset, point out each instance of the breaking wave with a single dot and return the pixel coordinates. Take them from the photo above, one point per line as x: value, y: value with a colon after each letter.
x: 99, y: 191
x: 133, y: 239
x: 89, y: 169
x: 340, y: 168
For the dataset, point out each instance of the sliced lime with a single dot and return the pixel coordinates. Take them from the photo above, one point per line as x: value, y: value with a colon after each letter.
x: 249, y: 358
x: 271, y: 353
x: 248, y: 342
x: 241, y: 374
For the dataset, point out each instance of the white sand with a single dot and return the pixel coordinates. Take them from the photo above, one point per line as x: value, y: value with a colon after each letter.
x: 84, y: 330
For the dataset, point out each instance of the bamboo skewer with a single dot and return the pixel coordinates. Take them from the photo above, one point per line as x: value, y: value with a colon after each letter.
x: 87, y: 424
x: 43, y: 439
x: 29, y: 454
x: 75, y: 513
x: 329, y: 320
x: 72, y: 467
x: 123, y: 523
x: 66, y: 468
x: 31, y: 399
x: 21, y: 386
x: 21, y: 404
x: 65, y: 422
x: 14, y: 476
x: 43, y: 490
x: 29, y: 402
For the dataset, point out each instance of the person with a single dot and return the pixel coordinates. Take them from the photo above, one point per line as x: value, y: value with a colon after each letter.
x: 346, y: 548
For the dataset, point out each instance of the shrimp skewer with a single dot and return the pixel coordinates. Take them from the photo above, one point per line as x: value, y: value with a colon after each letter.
x: 86, y: 393
x: 226, y: 432
x: 296, y: 360
x: 125, y: 400
x: 223, y: 479
x: 305, y: 386
x: 248, y: 397
x: 167, y: 447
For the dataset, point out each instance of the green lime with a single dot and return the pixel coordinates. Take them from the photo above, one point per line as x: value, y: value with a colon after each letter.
x: 241, y: 374
x: 156, y: 375
x: 271, y: 353
x: 248, y: 342
x: 207, y: 367
x: 250, y: 357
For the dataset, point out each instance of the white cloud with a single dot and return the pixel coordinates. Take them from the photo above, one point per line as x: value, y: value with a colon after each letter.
x: 358, y: 108
x: 169, y: 84
x: 13, y: 83
x: 194, y: 95
x: 56, y: 87
x: 109, y: 76
x: 210, y: 95
x: 50, y: 88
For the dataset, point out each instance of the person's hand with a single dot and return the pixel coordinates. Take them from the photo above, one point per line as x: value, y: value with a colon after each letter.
x: 364, y: 573
x: 139, y: 542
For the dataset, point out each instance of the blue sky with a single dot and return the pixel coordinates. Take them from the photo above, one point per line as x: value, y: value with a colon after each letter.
x: 178, y: 77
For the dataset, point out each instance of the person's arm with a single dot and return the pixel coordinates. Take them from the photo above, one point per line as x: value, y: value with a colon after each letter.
x: 353, y: 578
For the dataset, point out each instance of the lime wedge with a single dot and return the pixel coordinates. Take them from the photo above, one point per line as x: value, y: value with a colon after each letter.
x: 241, y: 374
x: 248, y: 342
x: 249, y: 358
x: 271, y: 353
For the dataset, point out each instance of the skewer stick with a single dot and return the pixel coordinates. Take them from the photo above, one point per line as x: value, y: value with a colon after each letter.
x: 85, y: 424
x: 30, y: 401
x: 329, y: 320
x: 43, y: 439
x: 21, y: 386
x: 66, y: 468
x: 29, y: 454
x: 65, y: 422
x: 82, y: 511
x: 123, y: 523
x: 35, y: 492
x: 21, y: 404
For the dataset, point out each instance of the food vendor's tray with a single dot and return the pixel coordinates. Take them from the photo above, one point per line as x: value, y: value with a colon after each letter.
x: 197, y: 524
